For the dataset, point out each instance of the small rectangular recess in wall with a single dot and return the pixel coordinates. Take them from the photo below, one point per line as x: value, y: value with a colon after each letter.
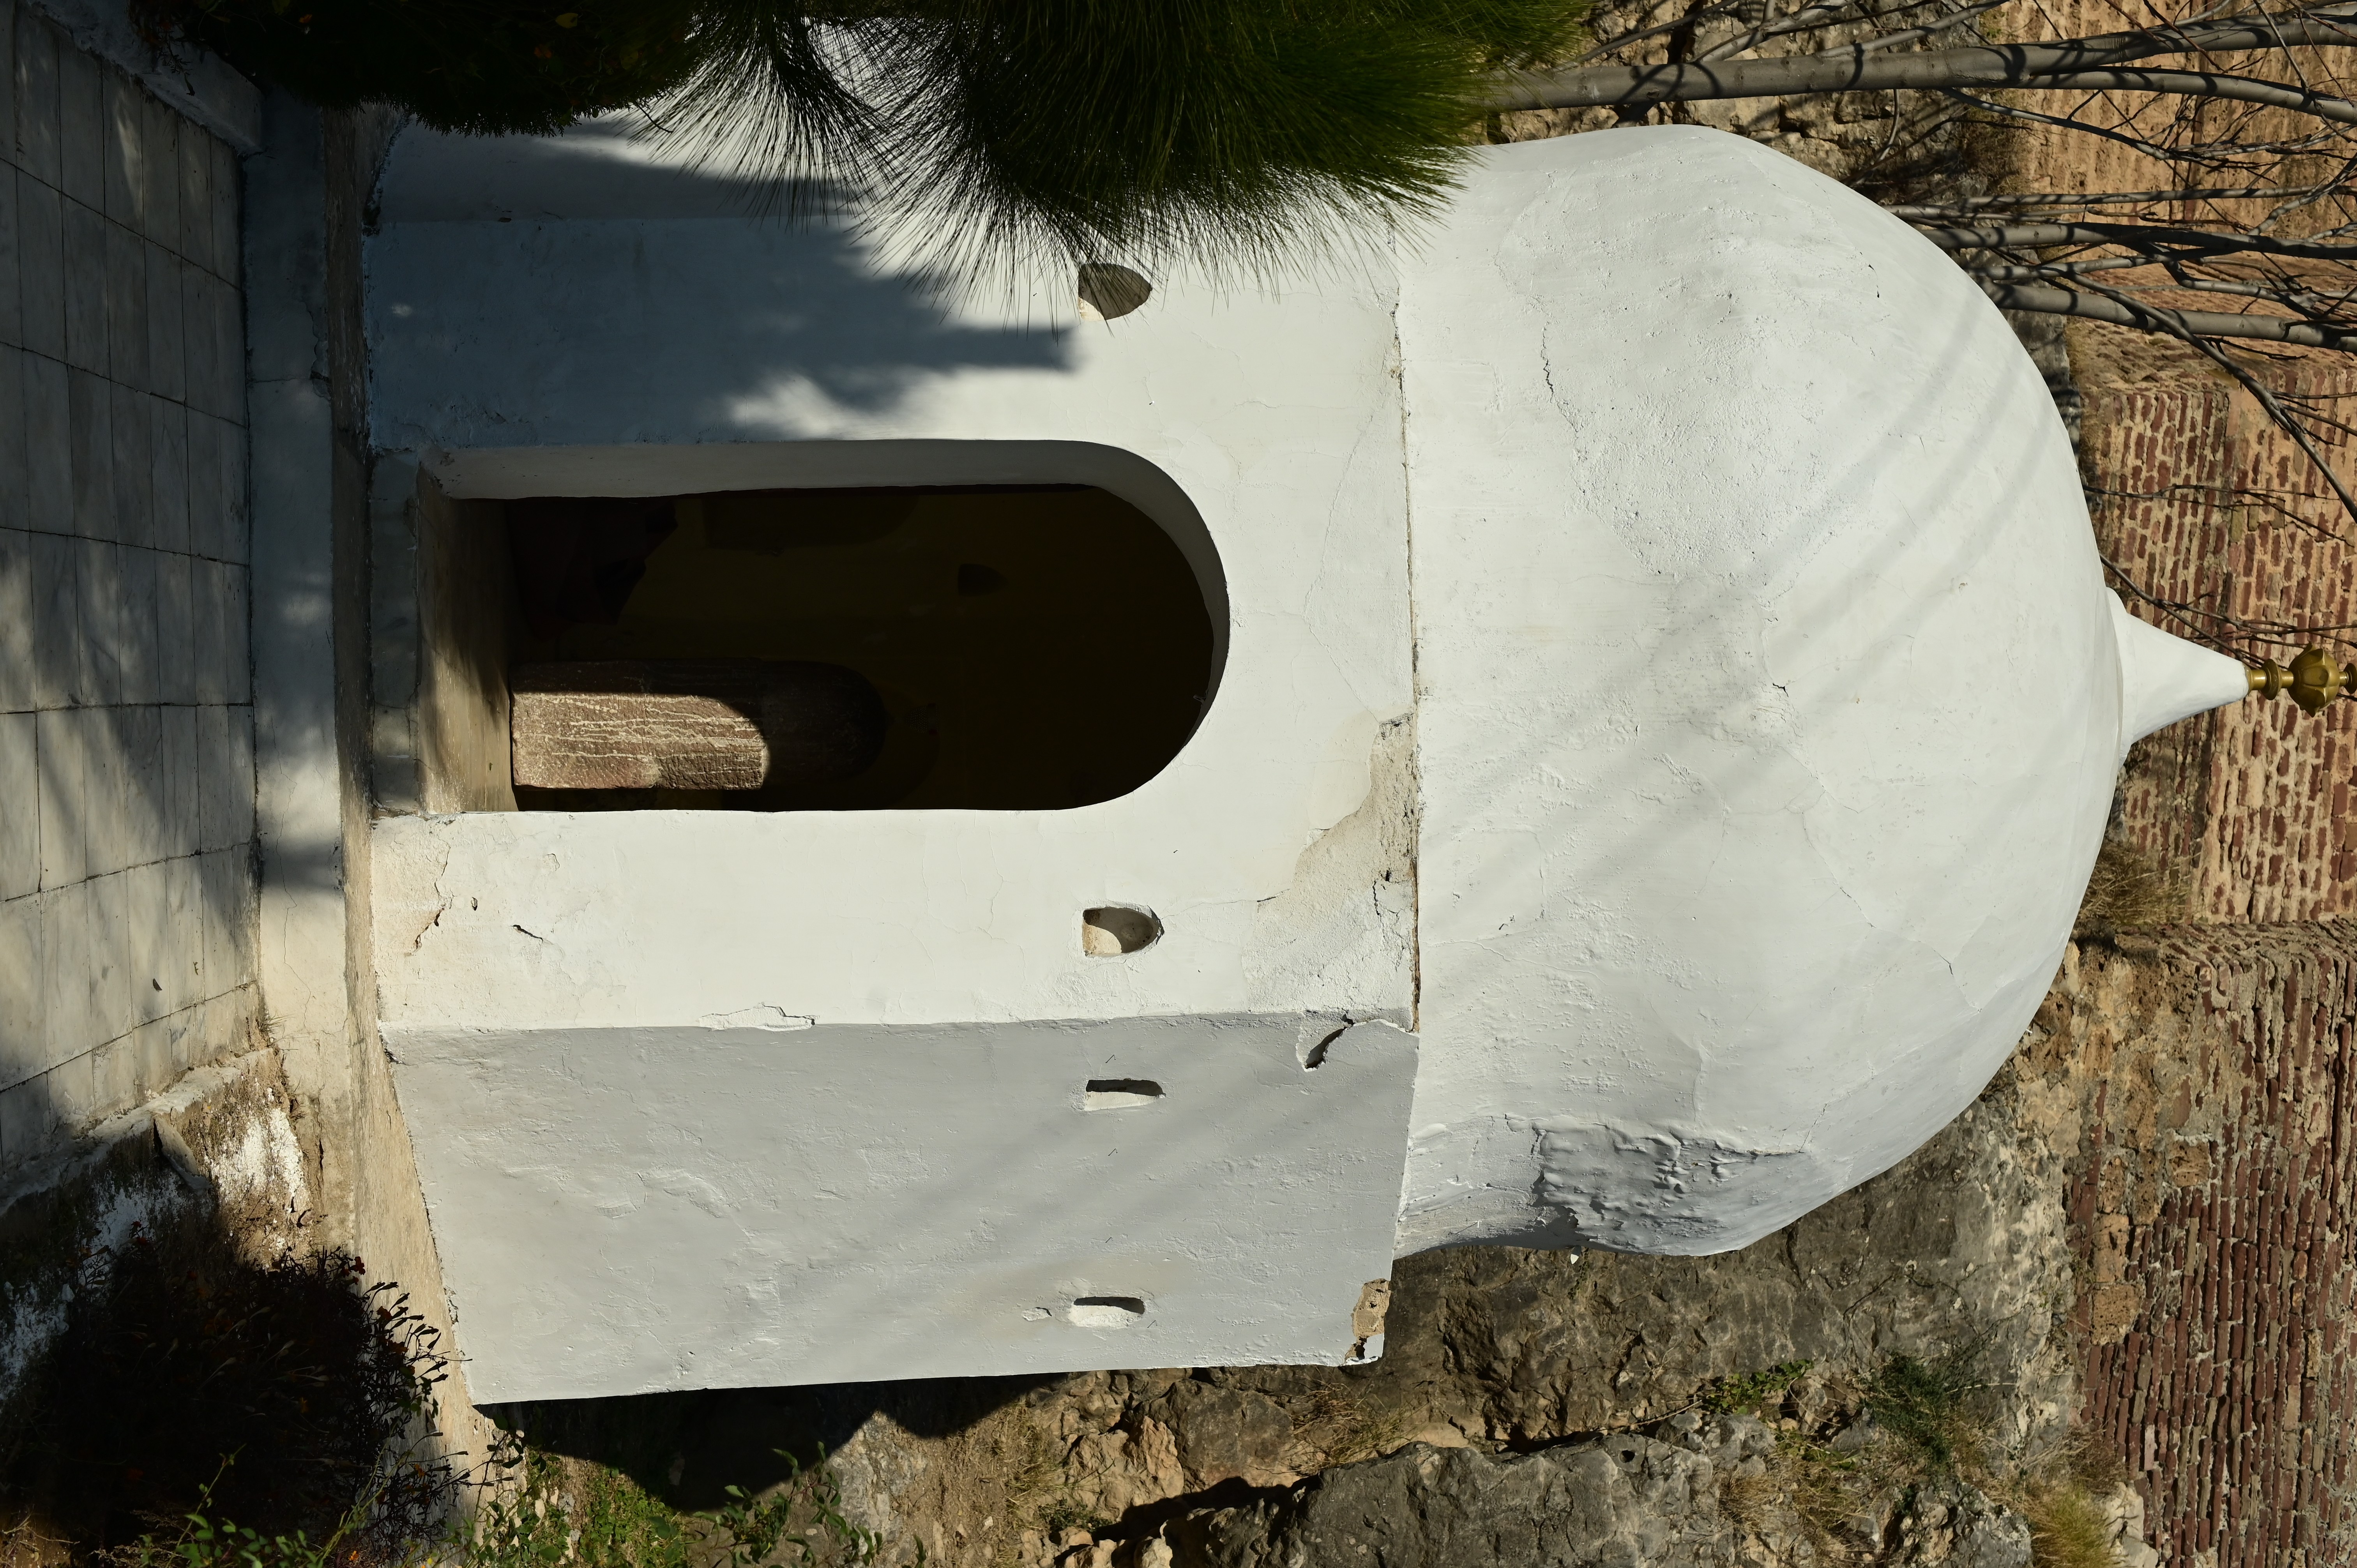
x: 1119, y: 1093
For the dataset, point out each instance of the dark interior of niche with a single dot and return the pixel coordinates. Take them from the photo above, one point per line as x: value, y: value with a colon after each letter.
x: 912, y: 648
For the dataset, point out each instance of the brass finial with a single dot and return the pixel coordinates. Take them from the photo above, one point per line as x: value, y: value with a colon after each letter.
x: 2313, y: 680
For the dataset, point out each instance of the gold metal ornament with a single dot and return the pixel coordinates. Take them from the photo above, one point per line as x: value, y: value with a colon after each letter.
x: 2313, y: 678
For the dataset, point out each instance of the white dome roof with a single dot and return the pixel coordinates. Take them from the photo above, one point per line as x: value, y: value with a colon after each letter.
x: 1770, y: 696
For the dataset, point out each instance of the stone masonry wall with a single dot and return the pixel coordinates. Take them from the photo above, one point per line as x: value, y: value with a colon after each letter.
x: 126, y: 771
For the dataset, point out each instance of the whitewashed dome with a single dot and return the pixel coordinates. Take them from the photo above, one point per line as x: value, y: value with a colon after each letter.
x: 1770, y: 698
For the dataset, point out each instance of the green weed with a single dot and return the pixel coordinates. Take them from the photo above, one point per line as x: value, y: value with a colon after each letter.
x: 1748, y: 1392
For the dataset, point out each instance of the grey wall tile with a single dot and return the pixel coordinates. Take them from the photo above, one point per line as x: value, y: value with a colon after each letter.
x: 201, y: 350
x: 175, y: 642
x: 90, y: 448
x: 209, y: 531
x: 167, y: 473
x: 132, y: 426
x: 8, y: 9
x: 66, y: 917
x: 85, y: 286
x: 19, y: 654
x: 48, y: 445
x: 237, y: 536
x: 124, y: 109
x: 109, y: 996
x: 142, y: 654
x: 41, y: 265
x: 235, y: 656
x: 60, y: 739
x: 98, y: 607
x: 37, y: 96
x: 14, y: 509
x: 59, y: 675
x: 126, y: 306
x: 150, y: 939
x: 106, y: 846
x: 227, y: 883
x: 167, y: 344
x: 81, y: 142
x: 162, y: 204
x: 12, y: 321
x: 183, y: 803
x: 226, y: 241
x: 196, y: 197
x: 20, y: 806
x: 146, y: 803
x: 70, y: 1097
x: 225, y: 775
x: 185, y: 901
x: 23, y: 1033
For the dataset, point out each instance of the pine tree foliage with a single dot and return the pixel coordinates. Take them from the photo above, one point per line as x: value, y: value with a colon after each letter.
x: 1232, y: 131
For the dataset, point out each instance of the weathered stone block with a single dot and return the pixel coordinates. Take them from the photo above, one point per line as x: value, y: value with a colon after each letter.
x: 691, y: 725
x: 20, y: 814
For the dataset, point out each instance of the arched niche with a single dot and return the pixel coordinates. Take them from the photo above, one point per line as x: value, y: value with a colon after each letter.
x: 880, y: 625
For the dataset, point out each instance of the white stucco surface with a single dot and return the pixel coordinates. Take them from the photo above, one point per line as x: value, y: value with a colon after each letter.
x: 852, y: 1202
x: 1770, y: 703
x: 1767, y: 707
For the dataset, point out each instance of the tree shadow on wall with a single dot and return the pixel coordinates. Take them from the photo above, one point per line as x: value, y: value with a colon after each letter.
x: 587, y: 298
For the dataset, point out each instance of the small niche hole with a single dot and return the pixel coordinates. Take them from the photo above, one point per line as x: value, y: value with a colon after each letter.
x: 1119, y: 1093
x: 1108, y: 290
x: 1117, y: 929
x: 1316, y: 1057
x: 1105, y: 1311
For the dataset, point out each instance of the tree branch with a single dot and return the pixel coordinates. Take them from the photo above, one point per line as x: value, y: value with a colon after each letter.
x: 2041, y: 300
x: 1857, y: 69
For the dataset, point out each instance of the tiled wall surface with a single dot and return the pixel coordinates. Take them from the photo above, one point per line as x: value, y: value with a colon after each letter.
x: 126, y: 751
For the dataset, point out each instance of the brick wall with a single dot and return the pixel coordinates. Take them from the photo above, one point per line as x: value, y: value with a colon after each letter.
x: 126, y: 771
x: 2209, y: 1201
x: 2206, y: 504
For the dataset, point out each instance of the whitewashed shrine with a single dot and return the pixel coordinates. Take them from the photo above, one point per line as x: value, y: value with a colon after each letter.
x: 1593, y: 735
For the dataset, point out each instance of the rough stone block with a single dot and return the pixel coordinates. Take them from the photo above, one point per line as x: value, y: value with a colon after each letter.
x: 49, y: 449
x: 37, y: 95
x: 90, y: 448
x: 81, y: 139
x: 98, y: 605
x: 85, y: 286
x: 23, y: 1032
x: 175, y: 630
x: 691, y: 725
x: 41, y: 265
x: 166, y: 362
x: 19, y: 683
x: 20, y: 805
x: 126, y: 306
x: 59, y: 737
x: 124, y: 148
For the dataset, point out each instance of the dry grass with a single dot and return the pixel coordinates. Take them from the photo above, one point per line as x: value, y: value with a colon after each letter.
x: 2067, y: 1528
x: 2127, y: 894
